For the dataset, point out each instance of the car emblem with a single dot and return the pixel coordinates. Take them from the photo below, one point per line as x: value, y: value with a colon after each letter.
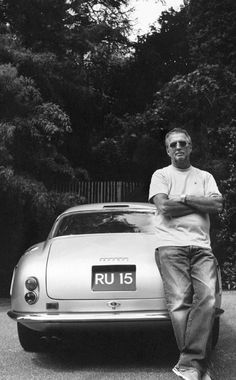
x: 113, y: 304
x: 107, y: 259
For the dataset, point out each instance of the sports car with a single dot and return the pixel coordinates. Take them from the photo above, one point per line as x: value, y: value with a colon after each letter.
x: 97, y: 266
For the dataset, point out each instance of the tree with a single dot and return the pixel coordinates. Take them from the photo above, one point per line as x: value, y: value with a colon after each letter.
x: 65, y: 47
x: 64, y: 27
x: 212, y: 32
x: 31, y: 130
x: 212, y: 37
x: 157, y: 57
x: 47, y: 92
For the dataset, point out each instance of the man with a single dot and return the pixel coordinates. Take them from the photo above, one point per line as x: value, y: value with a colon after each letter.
x: 184, y: 197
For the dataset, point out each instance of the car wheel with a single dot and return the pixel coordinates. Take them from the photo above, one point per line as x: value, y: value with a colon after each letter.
x: 29, y: 339
x: 215, y: 332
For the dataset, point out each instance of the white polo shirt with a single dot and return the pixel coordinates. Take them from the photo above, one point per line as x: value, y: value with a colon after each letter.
x: 192, y: 229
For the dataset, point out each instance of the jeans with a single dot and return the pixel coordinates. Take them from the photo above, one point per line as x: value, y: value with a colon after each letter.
x: 189, y: 276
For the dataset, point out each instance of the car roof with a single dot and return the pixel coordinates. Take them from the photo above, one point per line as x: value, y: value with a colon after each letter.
x: 110, y: 206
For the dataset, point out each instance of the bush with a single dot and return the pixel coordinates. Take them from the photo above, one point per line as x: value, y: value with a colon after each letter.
x: 27, y: 213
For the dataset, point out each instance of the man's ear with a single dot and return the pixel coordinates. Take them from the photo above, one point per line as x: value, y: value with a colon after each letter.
x: 168, y: 151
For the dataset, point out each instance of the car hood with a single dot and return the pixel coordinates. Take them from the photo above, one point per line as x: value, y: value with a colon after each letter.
x: 71, y: 260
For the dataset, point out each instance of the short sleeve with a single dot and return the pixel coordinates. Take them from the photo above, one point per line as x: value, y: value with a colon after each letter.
x: 211, y: 188
x: 158, y: 185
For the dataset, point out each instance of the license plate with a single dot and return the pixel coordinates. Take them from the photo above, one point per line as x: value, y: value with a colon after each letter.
x: 114, y: 278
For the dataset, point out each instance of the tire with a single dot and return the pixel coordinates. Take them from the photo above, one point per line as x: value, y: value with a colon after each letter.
x: 29, y: 339
x: 215, y: 332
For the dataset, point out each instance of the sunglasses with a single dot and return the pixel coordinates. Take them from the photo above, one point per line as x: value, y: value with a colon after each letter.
x: 181, y: 143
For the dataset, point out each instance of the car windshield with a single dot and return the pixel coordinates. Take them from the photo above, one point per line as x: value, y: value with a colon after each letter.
x: 105, y: 222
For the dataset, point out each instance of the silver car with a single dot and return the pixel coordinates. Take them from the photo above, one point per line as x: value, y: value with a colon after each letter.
x: 97, y: 266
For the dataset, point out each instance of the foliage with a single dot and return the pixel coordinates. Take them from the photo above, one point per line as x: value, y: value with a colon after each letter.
x: 31, y: 132
x: 228, y: 265
x: 212, y: 39
x: 166, y: 49
x: 68, y: 43
x: 44, y: 74
x: 202, y: 102
x: 157, y: 57
x: 126, y: 150
x: 26, y: 121
x: 212, y: 32
x: 28, y: 211
x: 133, y: 82
x: 64, y: 27
x: 226, y: 239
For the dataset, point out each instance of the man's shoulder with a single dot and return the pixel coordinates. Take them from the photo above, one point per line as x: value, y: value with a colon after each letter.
x: 201, y: 172
x: 162, y: 171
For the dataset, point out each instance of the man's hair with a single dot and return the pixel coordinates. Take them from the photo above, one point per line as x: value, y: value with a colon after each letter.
x: 177, y: 130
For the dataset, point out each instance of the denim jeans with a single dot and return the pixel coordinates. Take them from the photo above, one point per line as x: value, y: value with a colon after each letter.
x: 189, y: 276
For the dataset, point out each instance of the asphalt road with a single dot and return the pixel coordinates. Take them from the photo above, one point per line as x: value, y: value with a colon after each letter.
x: 112, y: 355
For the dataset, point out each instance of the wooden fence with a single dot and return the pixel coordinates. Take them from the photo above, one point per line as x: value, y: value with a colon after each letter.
x: 101, y: 191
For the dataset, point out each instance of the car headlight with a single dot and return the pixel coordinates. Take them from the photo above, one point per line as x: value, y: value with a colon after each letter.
x: 31, y: 283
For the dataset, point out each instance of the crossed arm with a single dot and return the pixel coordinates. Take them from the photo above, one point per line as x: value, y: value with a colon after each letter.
x: 174, y: 207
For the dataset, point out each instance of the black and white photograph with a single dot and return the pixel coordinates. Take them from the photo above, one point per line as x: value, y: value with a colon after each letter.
x: 118, y: 189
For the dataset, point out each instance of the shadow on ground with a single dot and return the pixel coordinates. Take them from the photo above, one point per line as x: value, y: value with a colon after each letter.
x: 152, y: 350
x: 223, y: 359
x: 119, y: 349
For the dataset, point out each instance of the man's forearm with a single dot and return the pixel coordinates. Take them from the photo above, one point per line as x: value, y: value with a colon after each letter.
x: 173, y: 207
x: 204, y: 204
x: 176, y: 209
x: 185, y: 205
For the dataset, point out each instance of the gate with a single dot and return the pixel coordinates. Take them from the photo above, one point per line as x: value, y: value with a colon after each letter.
x: 101, y: 191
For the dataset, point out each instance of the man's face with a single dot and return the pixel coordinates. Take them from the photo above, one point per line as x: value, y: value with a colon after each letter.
x: 179, y: 149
